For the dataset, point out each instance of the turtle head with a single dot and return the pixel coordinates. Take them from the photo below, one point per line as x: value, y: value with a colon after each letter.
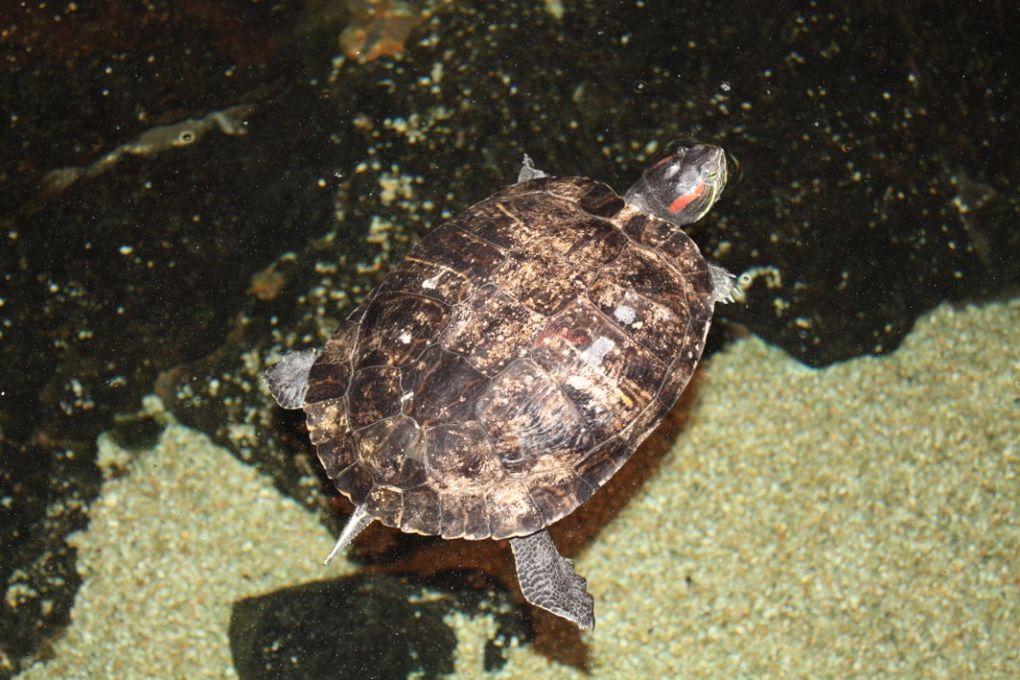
x: 683, y: 186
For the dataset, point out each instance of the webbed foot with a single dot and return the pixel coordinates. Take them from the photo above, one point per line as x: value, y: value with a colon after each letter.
x: 549, y: 580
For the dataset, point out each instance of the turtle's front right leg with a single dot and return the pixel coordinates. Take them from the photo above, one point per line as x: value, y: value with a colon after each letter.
x: 549, y: 580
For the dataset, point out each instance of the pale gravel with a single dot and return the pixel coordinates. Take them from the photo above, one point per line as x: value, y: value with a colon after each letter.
x: 856, y: 521
x: 171, y: 545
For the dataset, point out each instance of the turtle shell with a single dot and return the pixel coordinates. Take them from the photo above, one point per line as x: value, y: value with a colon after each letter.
x: 511, y: 363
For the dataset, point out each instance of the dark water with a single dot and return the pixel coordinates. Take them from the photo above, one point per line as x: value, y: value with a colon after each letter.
x: 187, y: 186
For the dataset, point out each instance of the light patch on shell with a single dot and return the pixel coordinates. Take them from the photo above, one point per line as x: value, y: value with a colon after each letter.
x: 625, y: 314
x: 597, y: 351
x: 406, y: 337
x: 431, y: 282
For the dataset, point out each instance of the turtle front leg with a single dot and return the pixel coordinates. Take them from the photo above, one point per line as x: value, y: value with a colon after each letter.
x: 549, y: 580
x: 288, y: 380
x: 529, y: 171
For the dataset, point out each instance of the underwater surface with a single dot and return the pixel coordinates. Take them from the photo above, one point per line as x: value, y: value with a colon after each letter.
x: 190, y: 190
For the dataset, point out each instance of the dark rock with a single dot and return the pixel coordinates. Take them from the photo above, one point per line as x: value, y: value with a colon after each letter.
x: 366, y: 626
x: 137, y: 432
x: 45, y: 492
x: 118, y: 276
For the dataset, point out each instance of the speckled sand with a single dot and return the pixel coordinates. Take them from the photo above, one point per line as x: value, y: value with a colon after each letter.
x: 171, y: 546
x: 859, y: 520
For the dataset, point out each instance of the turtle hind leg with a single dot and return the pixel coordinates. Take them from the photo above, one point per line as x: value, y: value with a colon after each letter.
x: 355, y: 525
x: 549, y: 580
x: 288, y: 380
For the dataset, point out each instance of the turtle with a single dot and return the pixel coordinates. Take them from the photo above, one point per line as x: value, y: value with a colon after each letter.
x: 512, y: 362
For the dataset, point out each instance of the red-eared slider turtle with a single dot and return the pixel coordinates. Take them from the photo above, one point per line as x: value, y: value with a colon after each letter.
x: 513, y: 361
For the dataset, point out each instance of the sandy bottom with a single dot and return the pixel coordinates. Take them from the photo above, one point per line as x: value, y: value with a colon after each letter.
x: 862, y: 520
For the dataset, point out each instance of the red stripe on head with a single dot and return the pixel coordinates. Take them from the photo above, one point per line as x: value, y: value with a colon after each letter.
x: 681, y: 202
x: 662, y: 161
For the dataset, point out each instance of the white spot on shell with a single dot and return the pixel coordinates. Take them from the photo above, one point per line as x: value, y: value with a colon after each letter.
x: 431, y: 283
x: 405, y: 337
x: 597, y: 351
x: 625, y: 314
x: 406, y: 396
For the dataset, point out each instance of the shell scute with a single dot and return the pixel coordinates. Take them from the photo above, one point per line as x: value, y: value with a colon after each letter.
x: 429, y: 279
x: 460, y: 458
x: 608, y: 375
x: 355, y: 481
x: 604, y: 460
x: 649, y: 274
x: 512, y: 512
x: 397, y: 327
x: 557, y: 495
x: 327, y: 381
x: 454, y: 249
x: 649, y: 322
x: 528, y: 417
x: 476, y: 516
x: 327, y: 420
x: 543, y: 282
x: 492, y: 222
x: 440, y: 386
x: 464, y: 515
x: 375, y: 393
x: 491, y: 329
x: 601, y: 200
x: 602, y: 243
x: 337, y: 454
x: 422, y: 511
x: 393, y: 450
x: 386, y: 503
